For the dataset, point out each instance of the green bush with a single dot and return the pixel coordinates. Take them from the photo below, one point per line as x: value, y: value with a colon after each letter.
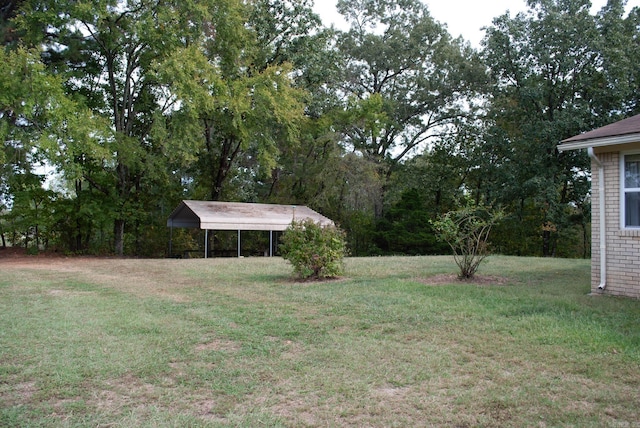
x: 315, y: 251
x: 466, y: 230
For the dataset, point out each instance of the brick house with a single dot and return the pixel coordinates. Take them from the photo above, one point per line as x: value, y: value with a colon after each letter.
x: 615, y: 221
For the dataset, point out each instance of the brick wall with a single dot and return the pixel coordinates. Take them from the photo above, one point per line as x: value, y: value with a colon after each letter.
x: 623, y: 246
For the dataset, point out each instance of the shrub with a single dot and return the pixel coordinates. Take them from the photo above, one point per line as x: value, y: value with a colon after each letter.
x: 315, y: 251
x: 466, y: 230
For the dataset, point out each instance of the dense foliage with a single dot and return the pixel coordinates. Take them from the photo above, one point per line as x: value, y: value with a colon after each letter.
x: 314, y: 251
x: 112, y: 111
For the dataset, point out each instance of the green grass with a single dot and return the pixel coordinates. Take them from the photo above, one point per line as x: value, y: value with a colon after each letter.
x: 237, y: 342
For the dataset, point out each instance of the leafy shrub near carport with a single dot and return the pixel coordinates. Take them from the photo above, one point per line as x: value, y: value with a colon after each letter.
x: 315, y: 251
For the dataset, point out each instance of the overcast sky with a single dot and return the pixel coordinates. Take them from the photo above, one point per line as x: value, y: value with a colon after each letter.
x: 463, y: 17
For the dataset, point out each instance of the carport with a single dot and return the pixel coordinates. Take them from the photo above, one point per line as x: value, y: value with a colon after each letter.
x: 238, y: 216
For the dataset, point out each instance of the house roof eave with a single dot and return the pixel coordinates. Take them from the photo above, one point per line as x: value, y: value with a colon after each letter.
x: 599, y: 142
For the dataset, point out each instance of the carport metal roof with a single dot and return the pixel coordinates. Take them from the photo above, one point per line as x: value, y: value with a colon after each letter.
x: 208, y: 215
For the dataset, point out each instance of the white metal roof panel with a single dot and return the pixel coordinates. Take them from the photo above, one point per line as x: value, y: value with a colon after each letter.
x: 240, y: 216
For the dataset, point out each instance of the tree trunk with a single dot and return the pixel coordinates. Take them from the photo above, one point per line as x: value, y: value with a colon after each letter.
x: 118, y: 237
x: 586, y: 244
x: 78, y: 203
x: 546, y: 241
x: 78, y: 240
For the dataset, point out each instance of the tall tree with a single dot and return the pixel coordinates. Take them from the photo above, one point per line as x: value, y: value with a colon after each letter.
x: 39, y: 126
x: 406, y: 80
x: 106, y: 50
x: 307, y: 171
x: 548, y: 69
x: 237, y: 89
x: 621, y: 51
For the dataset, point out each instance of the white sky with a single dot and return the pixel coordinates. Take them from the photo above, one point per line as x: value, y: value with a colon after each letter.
x: 463, y: 17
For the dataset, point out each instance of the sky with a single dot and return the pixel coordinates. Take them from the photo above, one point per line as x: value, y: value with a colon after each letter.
x: 462, y: 17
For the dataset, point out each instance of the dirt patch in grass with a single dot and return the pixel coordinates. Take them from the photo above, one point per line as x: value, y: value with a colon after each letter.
x: 452, y: 279
x: 24, y: 392
x: 218, y: 345
x: 391, y: 392
x: 292, y: 406
x: 207, y: 410
x: 68, y: 293
x: 121, y: 392
x: 498, y: 412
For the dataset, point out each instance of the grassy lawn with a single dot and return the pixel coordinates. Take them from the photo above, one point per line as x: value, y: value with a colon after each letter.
x: 236, y: 342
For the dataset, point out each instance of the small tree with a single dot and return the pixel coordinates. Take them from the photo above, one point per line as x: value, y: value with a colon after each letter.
x: 315, y: 251
x: 466, y: 230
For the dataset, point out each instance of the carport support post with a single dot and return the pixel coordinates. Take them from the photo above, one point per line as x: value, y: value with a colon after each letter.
x: 206, y: 243
x: 238, y: 243
x: 271, y: 243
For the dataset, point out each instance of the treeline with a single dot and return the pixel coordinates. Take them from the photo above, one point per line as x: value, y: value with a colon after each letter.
x: 136, y: 105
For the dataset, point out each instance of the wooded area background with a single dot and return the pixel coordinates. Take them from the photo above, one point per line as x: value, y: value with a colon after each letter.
x: 137, y: 105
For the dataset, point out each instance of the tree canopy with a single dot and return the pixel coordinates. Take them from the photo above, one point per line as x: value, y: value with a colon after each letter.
x: 112, y: 111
